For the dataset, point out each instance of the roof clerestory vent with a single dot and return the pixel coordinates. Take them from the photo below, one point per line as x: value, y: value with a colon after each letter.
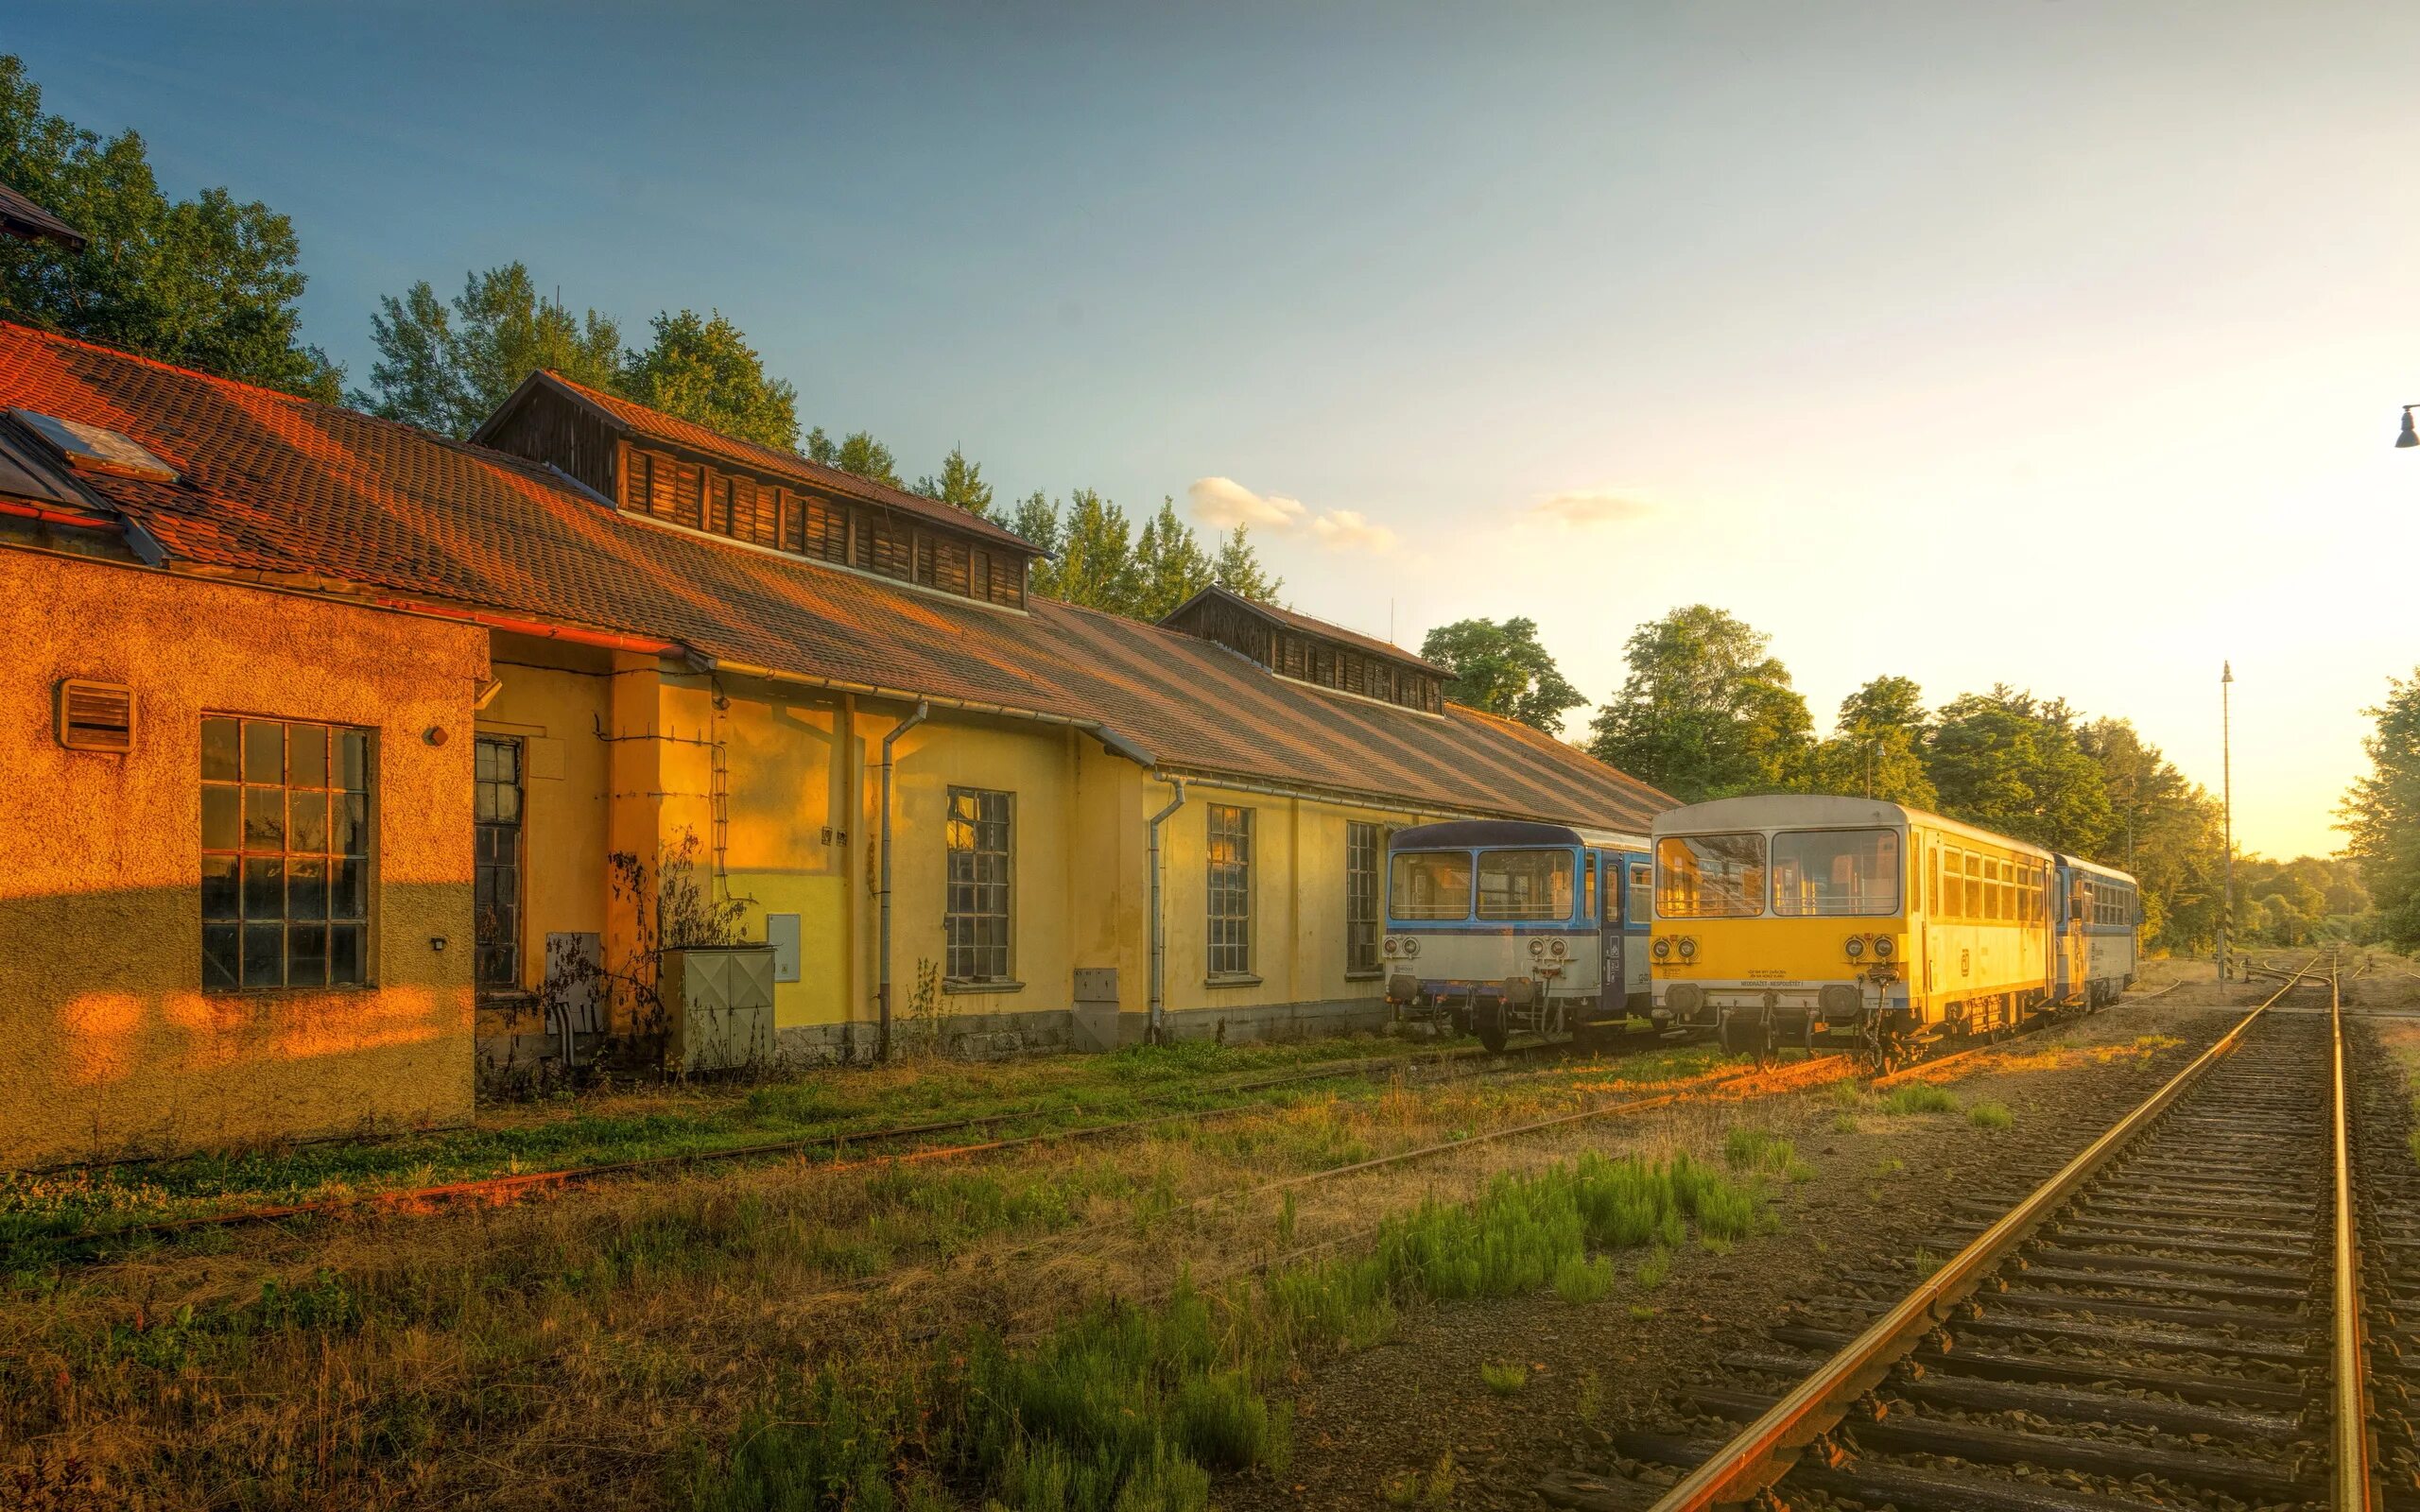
x: 92, y: 447
x: 96, y: 715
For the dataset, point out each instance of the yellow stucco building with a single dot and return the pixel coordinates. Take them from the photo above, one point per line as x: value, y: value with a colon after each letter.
x: 505, y: 673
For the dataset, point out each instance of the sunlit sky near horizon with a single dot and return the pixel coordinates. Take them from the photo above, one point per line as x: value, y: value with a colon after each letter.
x: 2058, y: 345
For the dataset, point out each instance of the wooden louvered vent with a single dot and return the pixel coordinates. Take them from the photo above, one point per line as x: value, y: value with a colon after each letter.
x: 96, y: 715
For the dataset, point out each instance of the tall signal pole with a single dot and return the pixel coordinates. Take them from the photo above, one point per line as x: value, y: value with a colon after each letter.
x: 2226, y: 770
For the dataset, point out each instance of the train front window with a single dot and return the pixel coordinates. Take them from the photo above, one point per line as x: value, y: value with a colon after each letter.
x: 1835, y: 872
x: 1515, y: 884
x: 1430, y: 885
x: 1709, y: 876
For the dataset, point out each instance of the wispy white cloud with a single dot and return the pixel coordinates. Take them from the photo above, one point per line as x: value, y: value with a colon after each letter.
x: 1591, y: 506
x: 1224, y: 503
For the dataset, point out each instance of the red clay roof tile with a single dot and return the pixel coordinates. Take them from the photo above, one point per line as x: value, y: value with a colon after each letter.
x: 280, y: 485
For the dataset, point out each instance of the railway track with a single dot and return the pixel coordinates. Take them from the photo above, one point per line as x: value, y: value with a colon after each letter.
x: 2182, y: 1316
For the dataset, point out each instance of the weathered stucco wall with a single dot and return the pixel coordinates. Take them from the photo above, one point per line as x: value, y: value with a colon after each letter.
x: 110, y: 1045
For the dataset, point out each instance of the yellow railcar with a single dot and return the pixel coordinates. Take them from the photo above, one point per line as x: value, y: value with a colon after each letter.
x: 1790, y: 918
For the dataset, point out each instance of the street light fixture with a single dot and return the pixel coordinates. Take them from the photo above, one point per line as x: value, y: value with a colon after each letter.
x: 2409, y: 435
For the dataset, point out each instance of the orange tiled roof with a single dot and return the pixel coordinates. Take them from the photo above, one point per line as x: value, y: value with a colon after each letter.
x: 276, y: 484
x: 655, y: 425
x: 1321, y: 628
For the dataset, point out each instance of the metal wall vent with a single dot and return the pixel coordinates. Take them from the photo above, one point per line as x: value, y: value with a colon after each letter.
x: 96, y: 715
x: 94, y: 448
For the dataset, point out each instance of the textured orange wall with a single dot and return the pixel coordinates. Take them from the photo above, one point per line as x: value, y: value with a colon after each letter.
x: 107, y: 1045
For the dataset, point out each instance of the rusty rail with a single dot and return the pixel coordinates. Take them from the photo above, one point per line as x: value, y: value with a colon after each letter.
x: 1764, y: 1450
x: 2350, y: 1481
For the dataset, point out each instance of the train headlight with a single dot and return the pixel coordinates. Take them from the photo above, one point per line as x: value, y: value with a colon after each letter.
x: 1882, y: 947
x: 1688, y: 947
x: 1395, y: 946
x: 1558, y: 949
x: 1537, y: 947
x: 1663, y: 947
x: 1411, y: 946
x: 1855, y: 946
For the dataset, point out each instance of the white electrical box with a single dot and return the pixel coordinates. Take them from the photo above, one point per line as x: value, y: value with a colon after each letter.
x: 781, y: 931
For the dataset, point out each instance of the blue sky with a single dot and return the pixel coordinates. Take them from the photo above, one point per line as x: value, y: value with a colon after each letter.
x: 2052, y: 344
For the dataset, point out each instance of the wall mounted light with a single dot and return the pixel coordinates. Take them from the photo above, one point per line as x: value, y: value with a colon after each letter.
x: 2408, y: 437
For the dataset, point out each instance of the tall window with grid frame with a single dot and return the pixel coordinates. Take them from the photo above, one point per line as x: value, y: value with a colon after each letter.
x: 496, y: 860
x: 284, y: 854
x: 1230, y: 890
x: 976, y: 926
x: 1363, y: 846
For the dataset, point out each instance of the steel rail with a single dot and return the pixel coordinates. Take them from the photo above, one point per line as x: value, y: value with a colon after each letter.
x: 1763, y: 1451
x: 2350, y: 1483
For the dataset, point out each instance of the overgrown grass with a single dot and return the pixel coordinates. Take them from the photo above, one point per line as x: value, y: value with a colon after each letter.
x: 1131, y: 1407
x: 1991, y: 1115
x: 1581, y: 1281
x: 1915, y: 1098
x: 1506, y: 1378
x: 1755, y: 1149
x: 593, y: 1128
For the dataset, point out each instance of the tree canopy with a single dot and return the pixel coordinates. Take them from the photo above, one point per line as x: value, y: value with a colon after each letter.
x: 702, y: 368
x: 960, y: 485
x: 210, y: 283
x: 1102, y: 563
x: 1706, y: 711
x: 448, y: 365
x: 2380, y: 817
x: 1502, y: 668
x: 2012, y: 763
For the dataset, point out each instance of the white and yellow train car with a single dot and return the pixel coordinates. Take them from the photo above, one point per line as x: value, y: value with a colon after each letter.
x: 1785, y: 919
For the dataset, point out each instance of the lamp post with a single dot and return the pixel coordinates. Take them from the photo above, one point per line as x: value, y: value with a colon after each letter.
x: 2408, y: 436
x: 2226, y: 780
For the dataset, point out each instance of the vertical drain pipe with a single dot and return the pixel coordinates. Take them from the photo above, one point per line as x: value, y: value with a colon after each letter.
x: 1159, y: 925
x: 924, y: 712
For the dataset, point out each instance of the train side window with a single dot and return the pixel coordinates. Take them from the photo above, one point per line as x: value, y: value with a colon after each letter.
x: 1642, y: 887
x: 1932, y: 880
x: 1587, y: 885
x: 1973, y: 891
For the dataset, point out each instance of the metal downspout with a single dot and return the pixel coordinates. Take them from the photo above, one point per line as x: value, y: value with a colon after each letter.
x: 1159, y: 925
x: 882, y: 1050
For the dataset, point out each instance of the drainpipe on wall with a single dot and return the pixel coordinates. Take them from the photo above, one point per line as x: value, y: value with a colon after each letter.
x: 924, y: 711
x: 1159, y: 930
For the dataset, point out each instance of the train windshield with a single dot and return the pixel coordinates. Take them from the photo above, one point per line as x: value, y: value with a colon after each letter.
x: 1430, y: 884
x: 1835, y: 872
x: 1709, y: 876
x: 1515, y: 884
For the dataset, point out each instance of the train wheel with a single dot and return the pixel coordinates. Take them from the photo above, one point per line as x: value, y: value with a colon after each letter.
x: 1748, y: 1033
x: 1488, y: 1020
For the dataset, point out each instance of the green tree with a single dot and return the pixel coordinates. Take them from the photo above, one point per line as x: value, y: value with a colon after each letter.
x: 1503, y: 670
x: 960, y: 485
x: 820, y: 448
x: 2381, y: 816
x: 1171, y: 565
x: 1096, y: 565
x: 448, y: 365
x: 2012, y: 763
x: 1238, y: 570
x: 860, y: 453
x: 701, y: 368
x: 1705, y: 711
x: 209, y: 283
x: 1876, y: 749
x: 1036, y: 519
x: 2164, y: 829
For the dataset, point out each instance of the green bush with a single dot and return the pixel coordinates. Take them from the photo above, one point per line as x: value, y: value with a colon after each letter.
x: 1581, y: 1281
x: 1917, y: 1097
x: 1505, y: 1378
x: 1990, y: 1115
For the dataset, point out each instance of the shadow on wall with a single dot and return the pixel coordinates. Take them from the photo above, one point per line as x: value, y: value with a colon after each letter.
x: 112, y: 1050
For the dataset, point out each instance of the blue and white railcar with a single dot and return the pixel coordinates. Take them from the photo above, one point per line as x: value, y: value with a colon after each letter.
x: 2100, y: 911
x: 1500, y: 926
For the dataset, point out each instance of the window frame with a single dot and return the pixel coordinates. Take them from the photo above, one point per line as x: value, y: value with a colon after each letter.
x: 1759, y: 893
x: 346, y: 856
x: 518, y: 867
x: 1364, y: 895
x: 956, y: 952
x: 1889, y: 873
x: 1228, y: 900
